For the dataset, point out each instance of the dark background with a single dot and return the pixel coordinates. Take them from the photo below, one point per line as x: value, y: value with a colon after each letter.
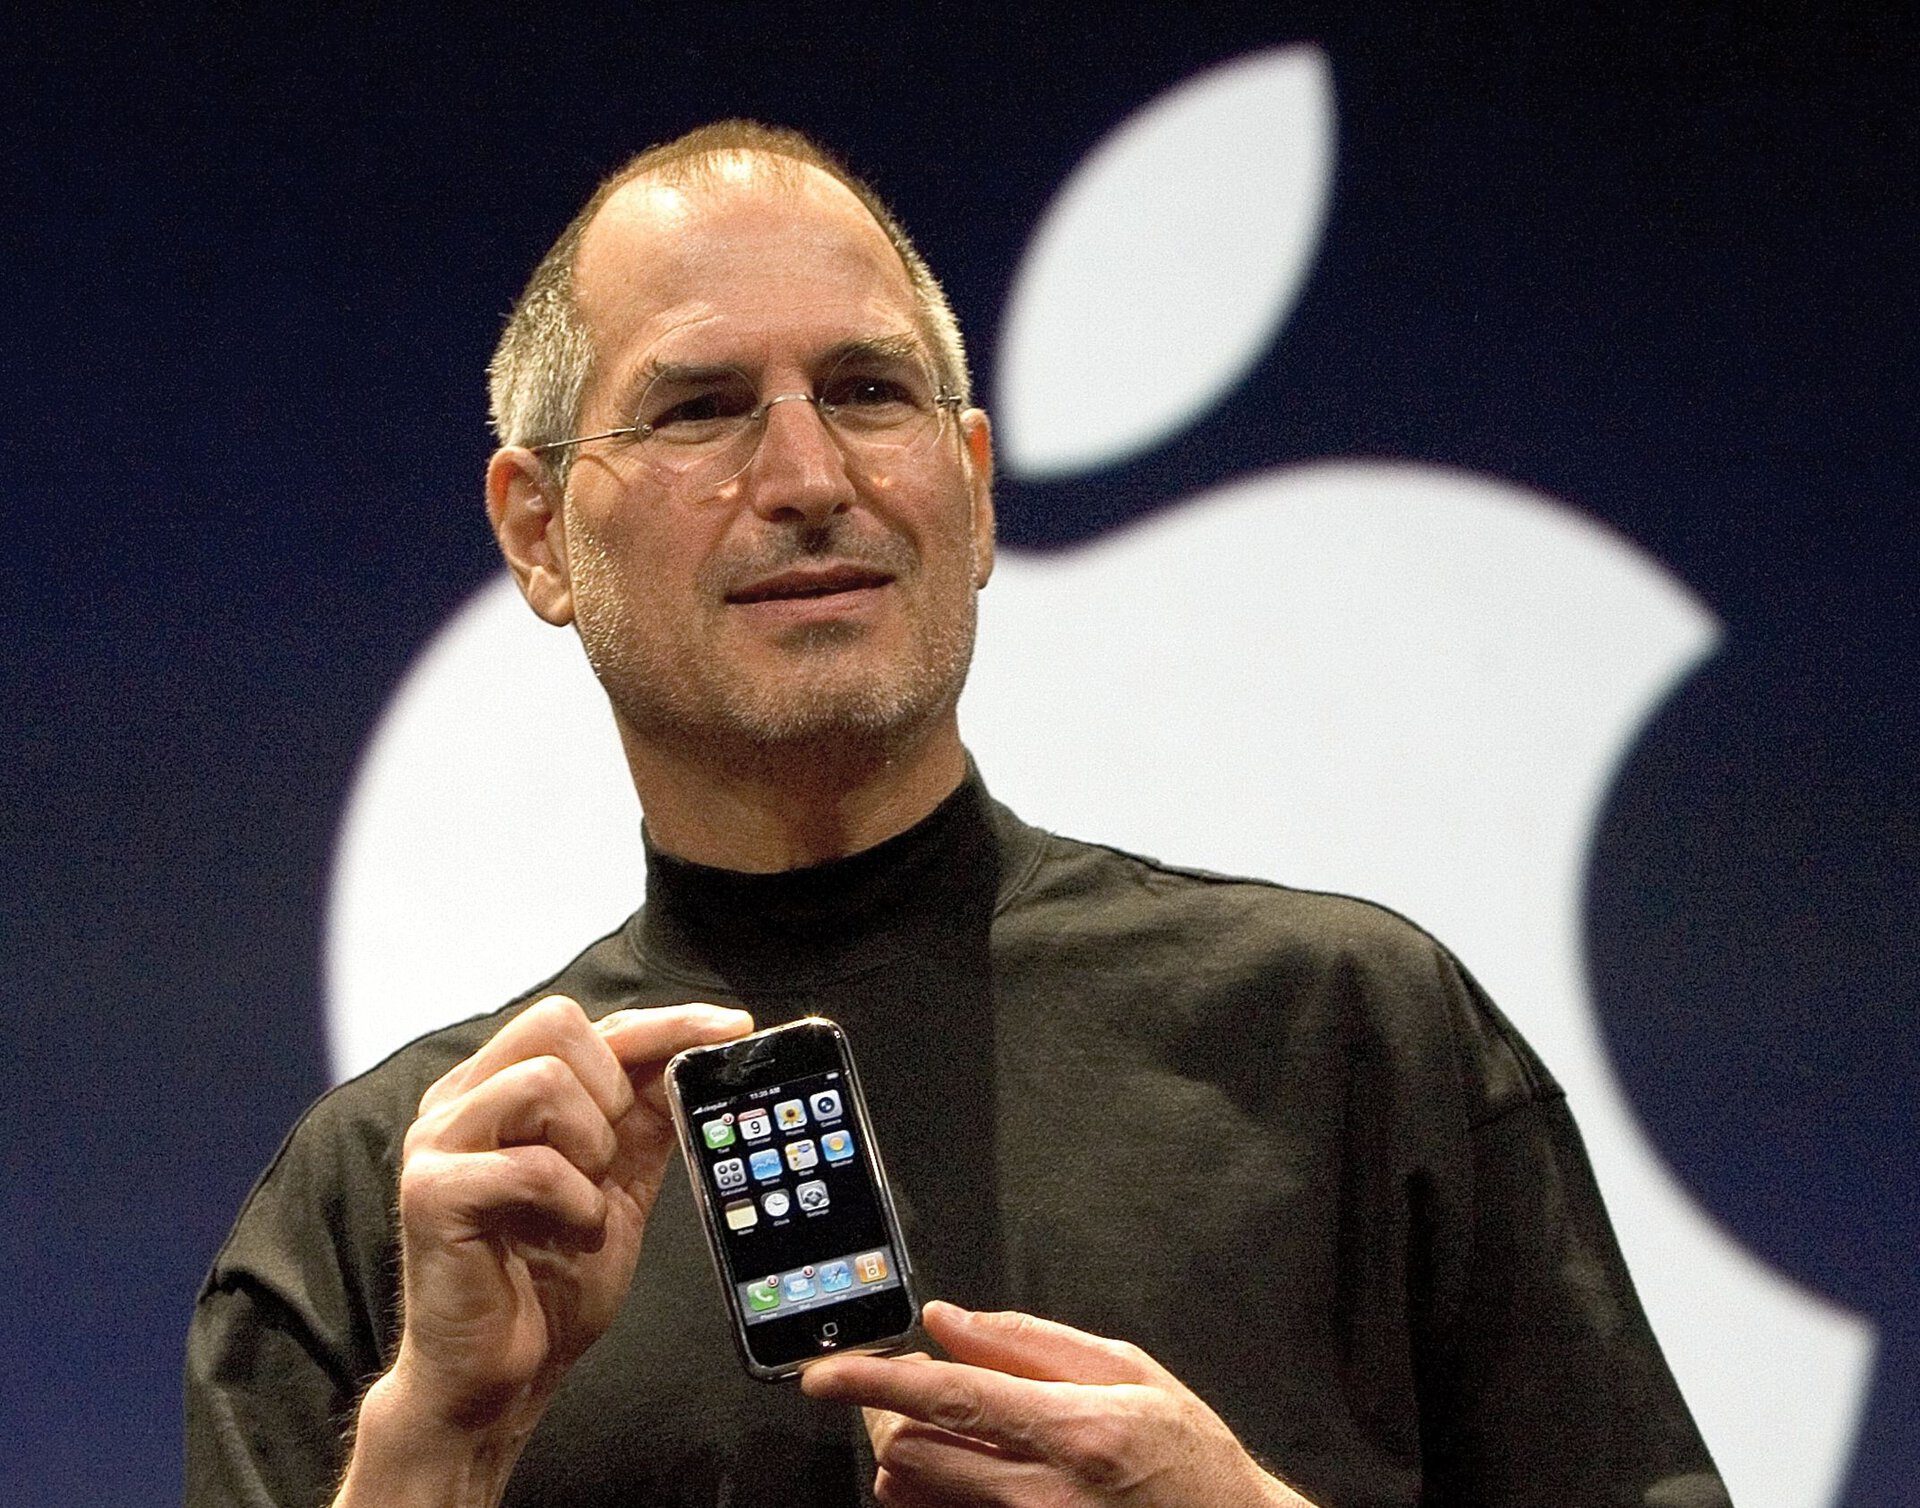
x: 1657, y: 262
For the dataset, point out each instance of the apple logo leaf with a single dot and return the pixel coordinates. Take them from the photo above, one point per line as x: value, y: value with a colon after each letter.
x: 1165, y: 264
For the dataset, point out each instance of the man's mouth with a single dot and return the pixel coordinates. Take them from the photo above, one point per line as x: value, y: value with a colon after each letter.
x: 803, y: 582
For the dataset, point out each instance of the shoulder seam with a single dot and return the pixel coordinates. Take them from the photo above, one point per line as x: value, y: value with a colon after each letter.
x: 1217, y: 877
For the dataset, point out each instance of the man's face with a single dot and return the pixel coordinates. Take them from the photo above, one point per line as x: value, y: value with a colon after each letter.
x: 809, y: 597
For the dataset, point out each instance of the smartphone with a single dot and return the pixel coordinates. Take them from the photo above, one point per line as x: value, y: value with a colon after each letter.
x: 793, y: 1196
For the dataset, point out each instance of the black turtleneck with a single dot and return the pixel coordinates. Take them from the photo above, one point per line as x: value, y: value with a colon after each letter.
x: 1280, y: 1140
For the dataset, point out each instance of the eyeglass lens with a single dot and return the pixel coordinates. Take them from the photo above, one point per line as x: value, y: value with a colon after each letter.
x: 702, y: 427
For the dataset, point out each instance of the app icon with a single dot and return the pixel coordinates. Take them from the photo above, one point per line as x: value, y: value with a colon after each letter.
x: 766, y: 1164
x: 764, y: 1295
x: 719, y: 1133
x: 801, y: 1155
x: 834, y: 1276
x: 826, y: 1105
x: 754, y: 1124
x: 776, y: 1203
x: 730, y: 1173
x: 812, y: 1196
x: 741, y: 1214
x: 799, y: 1285
x: 791, y: 1115
x: 836, y: 1145
x: 871, y: 1266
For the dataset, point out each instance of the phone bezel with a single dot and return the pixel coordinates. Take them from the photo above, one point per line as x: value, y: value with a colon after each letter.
x: 764, y: 1058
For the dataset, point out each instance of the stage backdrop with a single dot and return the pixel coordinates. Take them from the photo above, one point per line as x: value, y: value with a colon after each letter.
x: 1466, y: 461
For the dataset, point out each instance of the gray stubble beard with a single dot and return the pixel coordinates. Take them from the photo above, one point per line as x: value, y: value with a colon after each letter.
x: 745, y: 726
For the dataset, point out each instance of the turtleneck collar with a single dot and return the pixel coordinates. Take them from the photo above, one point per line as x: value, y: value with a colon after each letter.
x: 804, y: 927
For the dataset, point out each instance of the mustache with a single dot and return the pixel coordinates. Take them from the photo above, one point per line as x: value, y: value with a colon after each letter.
x: 839, y: 541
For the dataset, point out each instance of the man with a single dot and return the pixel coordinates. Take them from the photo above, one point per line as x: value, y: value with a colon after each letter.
x: 1271, y: 1204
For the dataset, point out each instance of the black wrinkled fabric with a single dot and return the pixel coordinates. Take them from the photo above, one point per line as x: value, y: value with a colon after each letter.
x: 1279, y: 1139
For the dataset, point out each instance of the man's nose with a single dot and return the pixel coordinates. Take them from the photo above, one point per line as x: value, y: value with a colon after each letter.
x: 799, y: 469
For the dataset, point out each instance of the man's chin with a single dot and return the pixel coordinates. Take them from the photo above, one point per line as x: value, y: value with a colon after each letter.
x: 825, y: 691
x: 838, y: 679
x: 859, y: 716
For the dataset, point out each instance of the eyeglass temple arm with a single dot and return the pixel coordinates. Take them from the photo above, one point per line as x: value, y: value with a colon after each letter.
x: 605, y: 434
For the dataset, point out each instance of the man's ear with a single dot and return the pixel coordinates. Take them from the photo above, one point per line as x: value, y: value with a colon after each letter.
x: 524, y: 506
x: 976, y: 433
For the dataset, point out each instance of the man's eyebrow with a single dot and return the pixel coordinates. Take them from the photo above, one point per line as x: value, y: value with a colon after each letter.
x: 873, y: 347
x: 887, y: 347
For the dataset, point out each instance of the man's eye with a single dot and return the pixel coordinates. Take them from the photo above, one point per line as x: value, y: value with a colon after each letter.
x: 693, y: 410
x: 698, y: 411
x: 868, y: 392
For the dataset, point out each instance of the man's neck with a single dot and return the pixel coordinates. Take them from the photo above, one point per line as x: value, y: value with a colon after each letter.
x: 770, y: 810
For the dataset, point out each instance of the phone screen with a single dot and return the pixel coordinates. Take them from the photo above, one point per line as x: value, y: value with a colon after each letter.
x: 780, y: 1148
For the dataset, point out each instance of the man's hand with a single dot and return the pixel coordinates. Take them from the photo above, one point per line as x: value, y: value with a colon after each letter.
x: 525, y: 1186
x: 1032, y: 1412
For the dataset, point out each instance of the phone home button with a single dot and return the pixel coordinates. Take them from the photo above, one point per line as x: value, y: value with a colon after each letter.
x: 829, y: 1335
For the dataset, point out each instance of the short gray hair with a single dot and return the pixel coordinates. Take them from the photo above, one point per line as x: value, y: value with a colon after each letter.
x: 539, y: 370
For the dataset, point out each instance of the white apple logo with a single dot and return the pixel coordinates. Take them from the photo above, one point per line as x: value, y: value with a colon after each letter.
x: 1403, y: 682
